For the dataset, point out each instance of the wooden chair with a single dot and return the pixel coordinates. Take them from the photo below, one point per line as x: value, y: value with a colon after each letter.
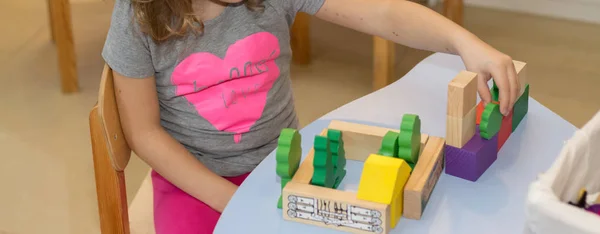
x: 62, y: 35
x: 111, y: 155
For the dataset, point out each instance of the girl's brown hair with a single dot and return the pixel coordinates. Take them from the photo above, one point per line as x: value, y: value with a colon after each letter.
x: 163, y: 19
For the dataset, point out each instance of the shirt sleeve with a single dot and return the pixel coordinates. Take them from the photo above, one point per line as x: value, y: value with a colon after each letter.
x: 126, y: 49
x: 294, y: 6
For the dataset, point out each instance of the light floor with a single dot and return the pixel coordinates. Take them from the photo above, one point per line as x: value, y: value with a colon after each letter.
x: 46, y: 173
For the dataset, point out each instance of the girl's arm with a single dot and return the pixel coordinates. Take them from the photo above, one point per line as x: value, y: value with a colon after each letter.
x: 139, y: 111
x: 416, y: 26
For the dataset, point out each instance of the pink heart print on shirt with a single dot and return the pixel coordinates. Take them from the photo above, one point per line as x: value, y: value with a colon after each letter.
x: 230, y: 93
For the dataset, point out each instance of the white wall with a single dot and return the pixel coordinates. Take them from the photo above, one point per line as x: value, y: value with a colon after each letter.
x: 581, y: 10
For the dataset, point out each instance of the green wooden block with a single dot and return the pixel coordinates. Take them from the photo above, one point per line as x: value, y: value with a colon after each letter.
x: 280, y: 202
x: 338, y: 155
x: 339, y: 177
x: 287, y: 156
x: 284, y: 182
x: 491, y: 120
x: 389, y: 144
x: 495, y: 91
x: 323, y: 163
x: 336, y: 143
x: 289, y: 152
x: 520, y: 108
x: 409, y: 138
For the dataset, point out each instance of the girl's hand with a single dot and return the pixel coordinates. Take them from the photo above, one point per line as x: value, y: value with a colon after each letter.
x: 488, y: 62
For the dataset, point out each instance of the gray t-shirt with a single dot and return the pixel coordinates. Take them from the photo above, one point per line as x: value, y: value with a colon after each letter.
x: 224, y: 95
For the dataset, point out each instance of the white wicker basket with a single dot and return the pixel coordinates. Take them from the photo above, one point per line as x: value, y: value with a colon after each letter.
x: 577, y: 167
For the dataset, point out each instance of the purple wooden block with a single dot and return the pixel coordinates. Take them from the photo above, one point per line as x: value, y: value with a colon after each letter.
x: 473, y: 159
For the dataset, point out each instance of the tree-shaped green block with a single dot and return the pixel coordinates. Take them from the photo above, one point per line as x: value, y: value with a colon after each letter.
x: 495, y: 92
x: 323, y: 163
x: 491, y: 120
x: 389, y: 144
x: 409, y: 138
x: 287, y: 155
x: 338, y: 155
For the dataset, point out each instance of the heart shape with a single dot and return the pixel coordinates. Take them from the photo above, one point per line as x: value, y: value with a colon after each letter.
x: 230, y: 93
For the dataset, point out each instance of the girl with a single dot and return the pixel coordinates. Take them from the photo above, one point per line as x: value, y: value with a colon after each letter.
x: 203, y: 86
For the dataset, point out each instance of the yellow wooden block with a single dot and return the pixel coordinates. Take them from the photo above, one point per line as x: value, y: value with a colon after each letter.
x: 397, y: 206
x: 382, y: 181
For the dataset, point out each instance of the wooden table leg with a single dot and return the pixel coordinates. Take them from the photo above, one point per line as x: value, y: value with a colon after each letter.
x: 300, y: 39
x: 60, y: 20
x: 384, y: 60
x: 453, y: 10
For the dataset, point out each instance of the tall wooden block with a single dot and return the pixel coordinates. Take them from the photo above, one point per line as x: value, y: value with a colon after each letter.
x: 462, y: 94
x: 521, y: 68
x: 520, y: 109
x: 424, y: 178
x: 473, y: 159
x: 505, y: 130
x: 460, y: 130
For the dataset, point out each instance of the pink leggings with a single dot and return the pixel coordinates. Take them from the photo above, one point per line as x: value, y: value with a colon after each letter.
x: 176, y: 212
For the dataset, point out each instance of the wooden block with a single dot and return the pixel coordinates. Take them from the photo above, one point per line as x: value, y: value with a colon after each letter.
x: 361, y: 140
x: 288, y: 153
x: 287, y: 156
x: 473, y: 159
x: 323, y: 174
x: 338, y: 155
x: 491, y: 119
x: 505, y: 130
x: 409, y: 138
x: 305, y: 172
x: 389, y: 145
x: 424, y: 178
x: 334, y: 209
x: 495, y: 92
x: 520, y: 109
x: 462, y: 94
x: 382, y: 180
x: 480, y: 107
x: 460, y: 130
x: 521, y: 68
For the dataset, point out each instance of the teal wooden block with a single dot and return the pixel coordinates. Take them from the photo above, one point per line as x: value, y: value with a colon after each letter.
x: 520, y: 108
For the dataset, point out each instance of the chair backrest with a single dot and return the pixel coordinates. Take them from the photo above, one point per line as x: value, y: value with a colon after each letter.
x: 111, y: 154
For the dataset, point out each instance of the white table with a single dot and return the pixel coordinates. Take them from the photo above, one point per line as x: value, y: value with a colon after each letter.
x: 493, y: 204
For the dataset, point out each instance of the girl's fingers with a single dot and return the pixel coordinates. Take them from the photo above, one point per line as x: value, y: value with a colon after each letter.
x: 483, y: 89
x: 515, y: 87
x: 504, y: 88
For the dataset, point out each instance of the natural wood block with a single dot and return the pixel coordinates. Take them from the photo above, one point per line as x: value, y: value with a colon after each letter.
x: 424, y: 178
x: 335, y: 209
x: 460, y: 130
x: 361, y: 140
x: 462, y: 94
x: 521, y: 68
